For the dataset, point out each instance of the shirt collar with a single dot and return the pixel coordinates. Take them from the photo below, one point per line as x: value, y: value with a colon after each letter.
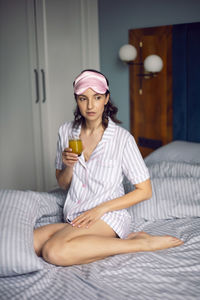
x: 108, y: 133
x: 76, y: 132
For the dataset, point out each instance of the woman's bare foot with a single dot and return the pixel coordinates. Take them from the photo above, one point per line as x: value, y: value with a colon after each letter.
x: 147, y: 242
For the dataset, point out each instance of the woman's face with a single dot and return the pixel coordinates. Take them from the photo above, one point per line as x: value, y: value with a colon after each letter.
x: 91, y: 104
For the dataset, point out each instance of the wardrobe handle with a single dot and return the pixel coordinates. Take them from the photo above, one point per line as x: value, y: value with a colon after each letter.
x: 43, y: 86
x: 36, y: 86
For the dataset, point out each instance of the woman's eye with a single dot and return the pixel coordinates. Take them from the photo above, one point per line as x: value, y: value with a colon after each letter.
x: 82, y: 98
x: 98, y: 97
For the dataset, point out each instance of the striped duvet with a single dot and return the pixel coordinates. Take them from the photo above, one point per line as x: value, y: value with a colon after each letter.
x: 167, y: 274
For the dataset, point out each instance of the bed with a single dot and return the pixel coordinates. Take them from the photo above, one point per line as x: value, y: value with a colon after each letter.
x: 168, y: 274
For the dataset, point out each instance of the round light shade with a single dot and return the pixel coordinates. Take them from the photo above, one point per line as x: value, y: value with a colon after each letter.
x: 127, y: 53
x: 153, y: 63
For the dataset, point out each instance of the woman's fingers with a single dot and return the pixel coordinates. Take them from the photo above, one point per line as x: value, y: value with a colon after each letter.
x: 67, y: 153
x: 69, y: 158
x: 88, y: 218
x: 80, y: 221
x: 83, y: 220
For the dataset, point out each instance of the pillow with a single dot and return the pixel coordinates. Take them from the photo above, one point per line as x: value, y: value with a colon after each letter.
x: 178, y: 151
x: 176, y: 192
x: 18, y: 212
x: 51, y: 207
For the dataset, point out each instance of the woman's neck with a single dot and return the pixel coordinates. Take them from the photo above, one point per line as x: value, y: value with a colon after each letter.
x: 93, y: 127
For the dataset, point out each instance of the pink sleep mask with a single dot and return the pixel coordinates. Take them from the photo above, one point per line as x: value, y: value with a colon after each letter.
x: 88, y: 79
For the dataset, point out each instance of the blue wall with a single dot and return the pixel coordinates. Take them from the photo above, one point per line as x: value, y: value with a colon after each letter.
x: 116, y: 17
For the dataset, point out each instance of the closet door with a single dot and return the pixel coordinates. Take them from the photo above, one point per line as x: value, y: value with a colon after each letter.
x: 44, y: 45
x: 17, y: 139
x: 67, y: 41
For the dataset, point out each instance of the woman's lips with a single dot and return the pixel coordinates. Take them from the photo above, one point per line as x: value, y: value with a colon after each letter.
x: 91, y: 113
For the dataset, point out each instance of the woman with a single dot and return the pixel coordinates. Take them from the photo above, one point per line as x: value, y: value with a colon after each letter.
x: 97, y: 222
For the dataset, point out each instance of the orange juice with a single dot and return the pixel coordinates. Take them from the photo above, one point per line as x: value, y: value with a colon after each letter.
x: 76, y: 146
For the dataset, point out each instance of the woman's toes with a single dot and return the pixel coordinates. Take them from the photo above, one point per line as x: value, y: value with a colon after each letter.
x: 178, y: 241
x: 174, y: 240
x: 164, y: 242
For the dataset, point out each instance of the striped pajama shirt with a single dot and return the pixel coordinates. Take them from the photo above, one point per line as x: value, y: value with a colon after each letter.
x: 100, y: 178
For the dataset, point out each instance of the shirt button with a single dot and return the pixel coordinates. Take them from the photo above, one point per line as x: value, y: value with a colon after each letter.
x: 79, y: 201
x: 84, y: 185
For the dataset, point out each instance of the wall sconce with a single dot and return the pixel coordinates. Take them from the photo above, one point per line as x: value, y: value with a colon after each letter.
x: 151, y: 66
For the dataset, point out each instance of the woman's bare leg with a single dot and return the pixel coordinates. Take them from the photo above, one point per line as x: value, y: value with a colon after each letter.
x: 70, y: 245
x: 42, y: 234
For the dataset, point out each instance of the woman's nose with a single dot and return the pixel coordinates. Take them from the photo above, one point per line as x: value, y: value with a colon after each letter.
x: 89, y: 104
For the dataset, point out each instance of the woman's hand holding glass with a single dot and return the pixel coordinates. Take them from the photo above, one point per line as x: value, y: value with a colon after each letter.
x: 69, y: 158
x: 70, y: 154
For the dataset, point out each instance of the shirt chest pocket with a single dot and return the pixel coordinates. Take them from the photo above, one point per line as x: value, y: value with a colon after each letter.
x: 105, y: 172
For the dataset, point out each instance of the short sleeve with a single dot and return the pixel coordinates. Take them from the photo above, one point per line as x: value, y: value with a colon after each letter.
x: 133, y: 165
x: 58, y: 160
x: 61, y: 145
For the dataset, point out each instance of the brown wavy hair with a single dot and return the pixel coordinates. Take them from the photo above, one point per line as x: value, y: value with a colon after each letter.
x: 110, y: 110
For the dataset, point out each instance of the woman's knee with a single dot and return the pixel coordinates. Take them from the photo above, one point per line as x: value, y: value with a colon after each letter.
x: 50, y: 253
x: 57, y: 253
x: 42, y: 234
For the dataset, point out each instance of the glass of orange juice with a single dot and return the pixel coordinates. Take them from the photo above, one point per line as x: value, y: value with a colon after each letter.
x: 76, y: 145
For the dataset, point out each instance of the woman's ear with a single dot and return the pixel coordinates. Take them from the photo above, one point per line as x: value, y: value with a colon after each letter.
x: 107, y: 99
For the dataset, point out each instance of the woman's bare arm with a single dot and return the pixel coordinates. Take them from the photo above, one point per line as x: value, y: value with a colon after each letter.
x: 143, y: 191
x: 64, y: 176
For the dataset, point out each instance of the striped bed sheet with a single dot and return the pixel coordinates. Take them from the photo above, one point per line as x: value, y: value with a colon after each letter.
x: 167, y: 274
